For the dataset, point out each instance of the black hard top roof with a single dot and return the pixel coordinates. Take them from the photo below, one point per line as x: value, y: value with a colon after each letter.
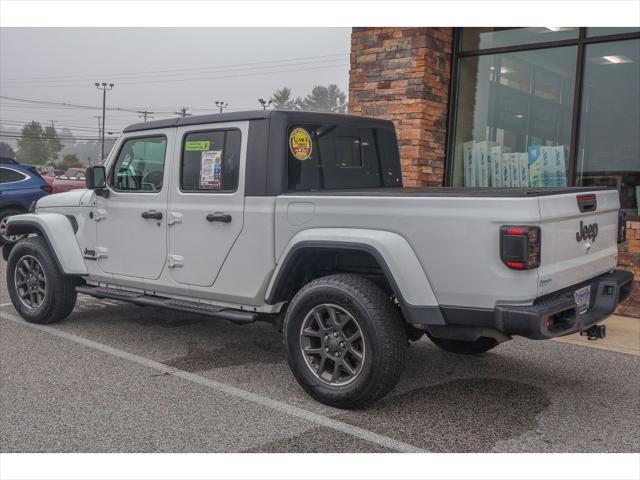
x: 252, y: 115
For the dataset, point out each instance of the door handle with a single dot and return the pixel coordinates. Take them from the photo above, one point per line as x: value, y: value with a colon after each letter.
x: 152, y: 214
x: 219, y: 217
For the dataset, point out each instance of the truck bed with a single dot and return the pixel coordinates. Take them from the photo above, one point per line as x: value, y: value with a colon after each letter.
x: 449, y: 192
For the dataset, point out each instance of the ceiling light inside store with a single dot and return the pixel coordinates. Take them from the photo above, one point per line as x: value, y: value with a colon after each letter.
x: 617, y: 59
x: 558, y: 29
x: 610, y: 60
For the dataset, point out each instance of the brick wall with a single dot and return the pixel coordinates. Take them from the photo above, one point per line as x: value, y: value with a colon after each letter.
x: 629, y: 259
x: 402, y: 74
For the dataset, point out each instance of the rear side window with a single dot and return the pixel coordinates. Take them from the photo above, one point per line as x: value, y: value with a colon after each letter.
x: 328, y: 157
x: 8, y: 175
x: 210, y: 161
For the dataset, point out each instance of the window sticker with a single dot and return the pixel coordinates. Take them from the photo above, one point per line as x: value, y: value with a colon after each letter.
x: 197, y: 145
x: 300, y: 143
x: 211, y: 170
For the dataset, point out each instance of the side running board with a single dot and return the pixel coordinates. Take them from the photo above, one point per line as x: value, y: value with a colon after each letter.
x: 235, y: 316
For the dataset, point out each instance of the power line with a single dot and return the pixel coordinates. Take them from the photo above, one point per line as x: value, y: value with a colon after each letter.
x: 183, y: 112
x: 80, y: 82
x: 216, y: 67
x: 185, y: 79
x: 145, y: 114
x: 68, y: 105
x: 72, y: 106
x: 62, y: 126
x: 12, y: 135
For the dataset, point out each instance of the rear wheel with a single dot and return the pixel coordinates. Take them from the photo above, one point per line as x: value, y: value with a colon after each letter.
x: 481, y: 345
x: 4, y: 217
x: 39, y: 290
x: 346, y: 342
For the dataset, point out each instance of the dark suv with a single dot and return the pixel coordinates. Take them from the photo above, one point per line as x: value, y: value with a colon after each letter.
x: 20, y: 186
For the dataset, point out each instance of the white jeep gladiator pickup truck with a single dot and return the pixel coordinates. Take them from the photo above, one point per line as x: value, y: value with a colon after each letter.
x: 300, y: 219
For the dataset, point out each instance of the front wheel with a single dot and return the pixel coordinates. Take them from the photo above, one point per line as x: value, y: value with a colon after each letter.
x: 346, y: 342
x: 481, y: 345
x: 39, y: 290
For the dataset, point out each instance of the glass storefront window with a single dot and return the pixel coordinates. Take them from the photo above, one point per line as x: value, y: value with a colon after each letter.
x: 609, y: 145
x: 601, y: 31
x: 478, y: 38
x: 513, y: 119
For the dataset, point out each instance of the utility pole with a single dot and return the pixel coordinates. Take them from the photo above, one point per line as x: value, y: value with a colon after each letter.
x: 144, y: 114
x: 264, y: 103
x: 104, y: 87
x: 221, y: 104
x: 183, y: 112
x: 99, y: 132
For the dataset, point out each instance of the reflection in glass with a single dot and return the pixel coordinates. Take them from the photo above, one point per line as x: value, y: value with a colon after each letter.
x: 478, y: 38
x: 600, y: 31
x: 609, y: 146
x: 513, y: 123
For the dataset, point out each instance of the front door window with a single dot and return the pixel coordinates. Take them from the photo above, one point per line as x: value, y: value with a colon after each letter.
x: 140, y: 165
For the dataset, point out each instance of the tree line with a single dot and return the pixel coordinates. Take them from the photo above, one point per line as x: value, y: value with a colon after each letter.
x: 39, y: 145
x: 321, y: 99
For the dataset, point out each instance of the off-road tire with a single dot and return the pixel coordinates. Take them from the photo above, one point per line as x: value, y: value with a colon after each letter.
x: 60, y: 297
x: 383, y: 333
x: 8, y: 212
x: 481, y: 345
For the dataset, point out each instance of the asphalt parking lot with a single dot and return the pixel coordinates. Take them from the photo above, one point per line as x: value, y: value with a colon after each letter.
x: 120, y: 378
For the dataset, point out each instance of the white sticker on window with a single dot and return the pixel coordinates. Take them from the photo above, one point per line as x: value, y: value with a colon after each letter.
x: 211, y: 170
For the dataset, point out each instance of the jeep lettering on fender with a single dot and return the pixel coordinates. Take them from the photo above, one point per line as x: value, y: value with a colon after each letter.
x: 587, y: 232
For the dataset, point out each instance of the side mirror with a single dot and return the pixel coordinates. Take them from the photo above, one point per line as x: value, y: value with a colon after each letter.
x: 96, y: 179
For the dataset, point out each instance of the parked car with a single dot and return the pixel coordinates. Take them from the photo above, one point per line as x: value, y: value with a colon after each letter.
x: 300, y: 219
x: 71, y: 179
x: 20, y: 186
x: 75, y: 173
x: 46, y: 170
x: 47, y: 173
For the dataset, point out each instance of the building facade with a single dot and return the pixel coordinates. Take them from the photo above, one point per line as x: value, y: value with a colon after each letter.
x: 510, y: 107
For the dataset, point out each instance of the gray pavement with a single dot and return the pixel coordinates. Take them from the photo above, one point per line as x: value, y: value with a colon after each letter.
x: 119, y: 378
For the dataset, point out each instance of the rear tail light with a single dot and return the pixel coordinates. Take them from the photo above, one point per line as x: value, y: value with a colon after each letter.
x: 520, y: 246
x: 47, y: 188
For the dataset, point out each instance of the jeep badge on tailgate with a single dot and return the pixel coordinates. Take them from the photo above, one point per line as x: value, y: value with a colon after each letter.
x: 585, y: 232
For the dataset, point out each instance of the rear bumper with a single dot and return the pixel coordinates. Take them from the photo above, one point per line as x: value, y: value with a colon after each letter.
x: 553, y: 315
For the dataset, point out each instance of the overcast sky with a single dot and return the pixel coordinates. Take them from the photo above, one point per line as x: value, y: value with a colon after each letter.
x: 160, y: 69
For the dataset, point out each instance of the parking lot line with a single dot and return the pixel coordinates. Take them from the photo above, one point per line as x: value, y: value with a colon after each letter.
x: 267, y: 402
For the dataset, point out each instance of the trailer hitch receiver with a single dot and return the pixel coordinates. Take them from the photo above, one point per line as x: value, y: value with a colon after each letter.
x: 595, y: 332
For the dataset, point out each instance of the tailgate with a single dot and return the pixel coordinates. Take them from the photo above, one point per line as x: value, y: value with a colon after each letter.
x: 577, y: 245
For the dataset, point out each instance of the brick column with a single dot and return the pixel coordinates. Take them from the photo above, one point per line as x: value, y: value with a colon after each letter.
x: 402, y: 74
x: 629, y: 259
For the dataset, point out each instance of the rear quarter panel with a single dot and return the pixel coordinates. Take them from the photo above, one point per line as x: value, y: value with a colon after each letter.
x: 455, y: 239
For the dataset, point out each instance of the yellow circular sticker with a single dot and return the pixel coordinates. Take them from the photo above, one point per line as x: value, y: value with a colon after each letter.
x: 300, y: 143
